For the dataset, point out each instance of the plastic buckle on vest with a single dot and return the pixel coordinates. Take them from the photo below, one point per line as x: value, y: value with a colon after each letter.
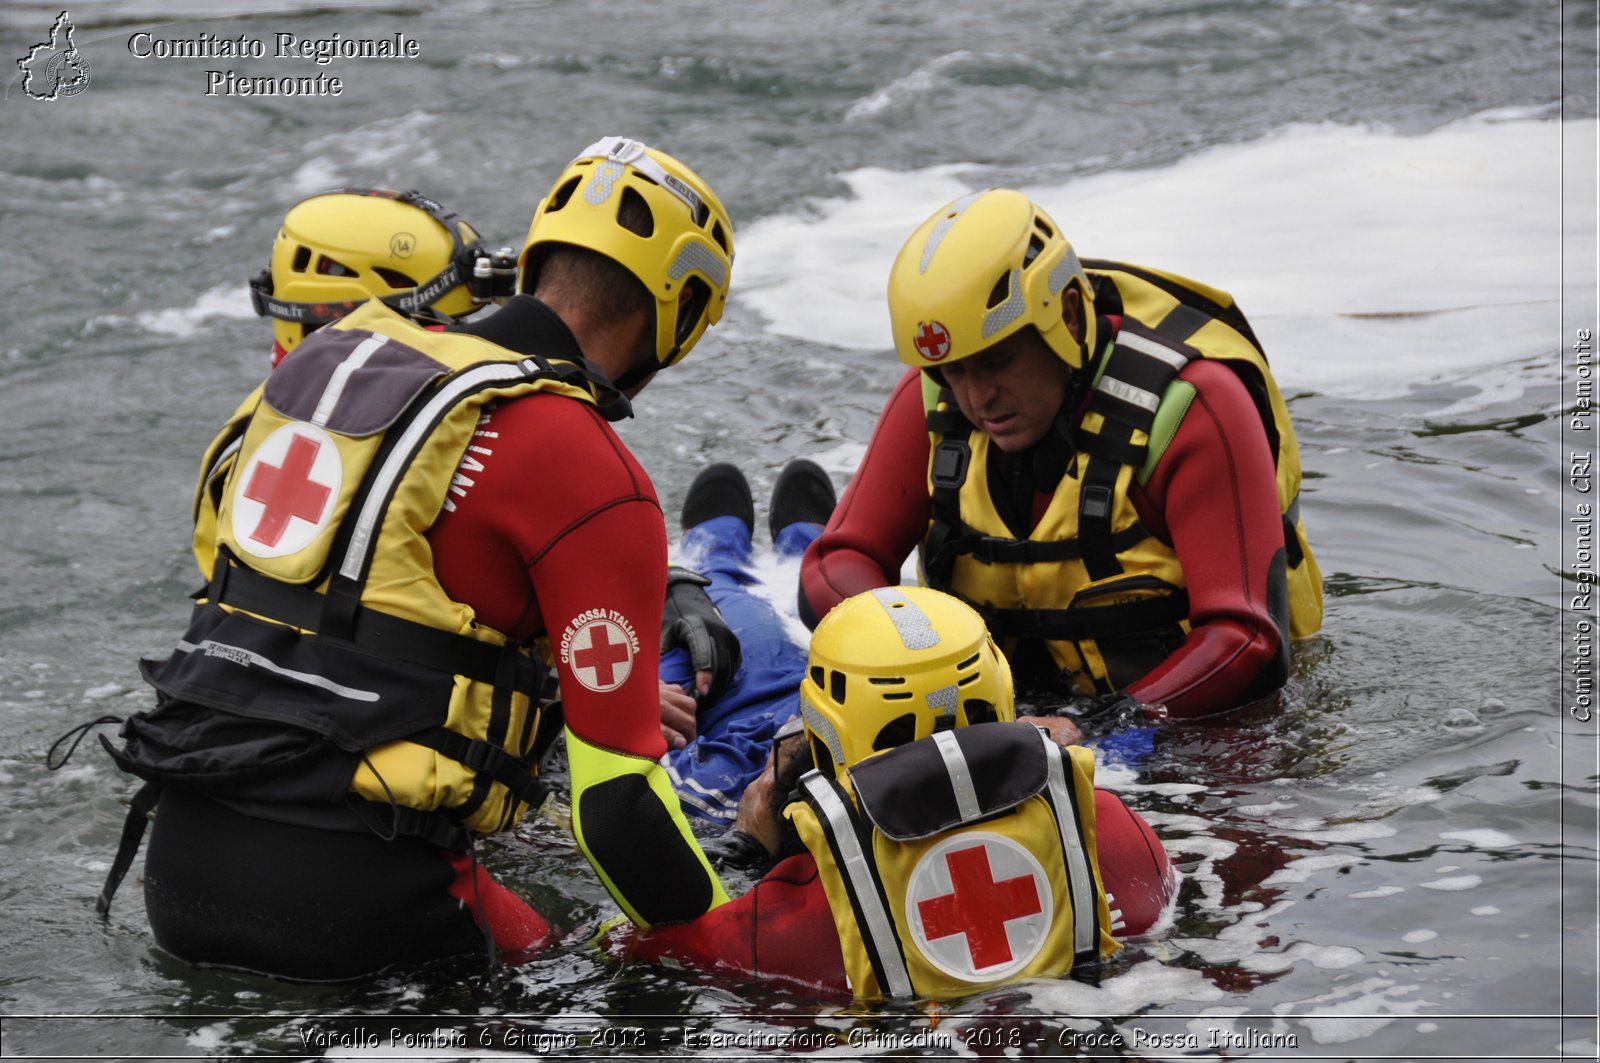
x: 1096, y: 501
x: 950, y: 462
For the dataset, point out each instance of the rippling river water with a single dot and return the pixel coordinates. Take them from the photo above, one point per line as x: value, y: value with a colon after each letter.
x: 1400, y: 863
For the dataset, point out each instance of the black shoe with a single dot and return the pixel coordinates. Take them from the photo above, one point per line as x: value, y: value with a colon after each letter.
x: 719, y: 491
x: 803, y: 493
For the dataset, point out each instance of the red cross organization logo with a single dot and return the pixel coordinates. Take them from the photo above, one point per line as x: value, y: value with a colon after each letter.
x: 980, y: 906
x: 599, y: 646
x: 285, y: 494
x: 932, y: 341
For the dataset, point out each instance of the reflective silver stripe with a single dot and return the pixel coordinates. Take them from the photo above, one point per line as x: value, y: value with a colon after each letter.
x: 946, y: 700
x: 937, y: 234
x: 233, y: 448
x: 1085, y: 917
x: 1008, y: 311
x: 605, y: 178
x: 955, y: 766
x: 1065, y: 270
x: 1148, y: 400
x: 1153, y: 349
x: 698, y: 257
x: 249, y: 658
x: 341, y: 376
x: 910, y: 623
x: 823, y: 729
x: 416, y: 432
x: 878, y: 933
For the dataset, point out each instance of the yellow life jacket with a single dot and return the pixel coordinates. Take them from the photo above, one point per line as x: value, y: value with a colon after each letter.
x: 325, y: 668
x: 960, y: 861
x: 1106, y: 597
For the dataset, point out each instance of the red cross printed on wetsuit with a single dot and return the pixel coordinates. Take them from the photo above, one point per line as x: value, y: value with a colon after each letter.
x: 286, y: 491
x: 602, y: 655
x: 932, y: 341
x: 979, y: 907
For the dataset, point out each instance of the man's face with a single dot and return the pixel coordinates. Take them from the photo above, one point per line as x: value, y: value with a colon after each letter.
x: 1011, y: 391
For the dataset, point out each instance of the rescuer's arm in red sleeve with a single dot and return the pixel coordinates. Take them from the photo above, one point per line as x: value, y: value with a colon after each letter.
x: 1215, y: 494
x: 883, y: 514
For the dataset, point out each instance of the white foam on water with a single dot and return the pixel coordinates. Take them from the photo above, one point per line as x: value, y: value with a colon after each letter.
x: 1326, y: 957
x: 224, y: 300
x: 1125, y: 994
x: 1380, y: 891
x: 1481, y: 839
x: 1486, y: 909
x: 1417, y: 937
x: 1352, y: 1012
x: 1368, y: 261
x: 1458, y: 882
x: 1303, y: 868
x: 1312, y: 830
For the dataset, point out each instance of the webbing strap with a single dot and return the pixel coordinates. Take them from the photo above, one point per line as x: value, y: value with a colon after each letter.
x: 1080, y: 881
x: 485, y: 759
x: 382, y: 633
x: 133, y: 828
x: 854, y: 860
x: 1101, y: 622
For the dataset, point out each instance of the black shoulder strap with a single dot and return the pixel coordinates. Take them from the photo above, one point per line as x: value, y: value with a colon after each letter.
x: 1138, y: 368
x: 948, y: 537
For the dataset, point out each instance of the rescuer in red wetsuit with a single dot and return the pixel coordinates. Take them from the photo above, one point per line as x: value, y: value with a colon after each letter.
x: 505, y: 483
x: 906, y: 691
x: 1093, y: 455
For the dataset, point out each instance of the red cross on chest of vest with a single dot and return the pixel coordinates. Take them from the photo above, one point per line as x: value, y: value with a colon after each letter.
x: 932, y: 341
x: 980, y: 906
x: 286, y: 491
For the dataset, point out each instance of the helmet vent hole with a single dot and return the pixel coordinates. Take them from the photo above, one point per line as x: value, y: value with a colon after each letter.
x: 897, y: 732
x: 886, y: 680
x: 330, y: 268
x: 302, y: 259
x: 634, y: 215
x: 898, y: 695
x: 969, y: 662
x: 1035, y: 245
x: 1002, y: 288
x: 819, y: 677
x: 836, y: 686
x: 559, y: 197
x: 719, y: 235
x: 978, y: 711
x: 1043, y: 227
x: 394, y: 278
x: 964, y: 680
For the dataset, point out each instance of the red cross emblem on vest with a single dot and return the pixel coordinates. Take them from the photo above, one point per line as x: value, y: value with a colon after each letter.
x: 601, y: 655
x: 980, y: 906
x: 285, y: 493
x: 932, y: 341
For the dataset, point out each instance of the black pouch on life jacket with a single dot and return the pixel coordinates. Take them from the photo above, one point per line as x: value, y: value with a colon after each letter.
x: 257, y: 711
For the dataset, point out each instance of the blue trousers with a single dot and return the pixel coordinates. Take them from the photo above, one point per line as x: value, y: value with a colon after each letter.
x: 735, y: 730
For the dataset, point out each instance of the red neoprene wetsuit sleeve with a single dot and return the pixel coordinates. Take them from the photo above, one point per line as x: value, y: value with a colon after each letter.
x: 555, y: 522
x: 1215, y: 491
x: 883, y: 513
x: 781, y: 930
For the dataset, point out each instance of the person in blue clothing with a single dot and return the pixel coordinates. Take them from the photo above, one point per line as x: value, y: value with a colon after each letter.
x: 734, y: 730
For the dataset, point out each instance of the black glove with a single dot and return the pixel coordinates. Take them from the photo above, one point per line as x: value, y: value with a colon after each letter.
x: 1100, y: 714
x: 689, y: 620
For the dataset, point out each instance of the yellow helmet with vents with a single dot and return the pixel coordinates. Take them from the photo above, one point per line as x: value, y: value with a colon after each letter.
x: 981, y: 268
x: 338, y: 249
x: 895, y: 664
x: 688, y: 245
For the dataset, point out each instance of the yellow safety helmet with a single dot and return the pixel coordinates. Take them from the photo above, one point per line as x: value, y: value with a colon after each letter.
x: 892, y: 665
x: 340, y: 248
x: 981, y: 268
x: 690, y: 243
